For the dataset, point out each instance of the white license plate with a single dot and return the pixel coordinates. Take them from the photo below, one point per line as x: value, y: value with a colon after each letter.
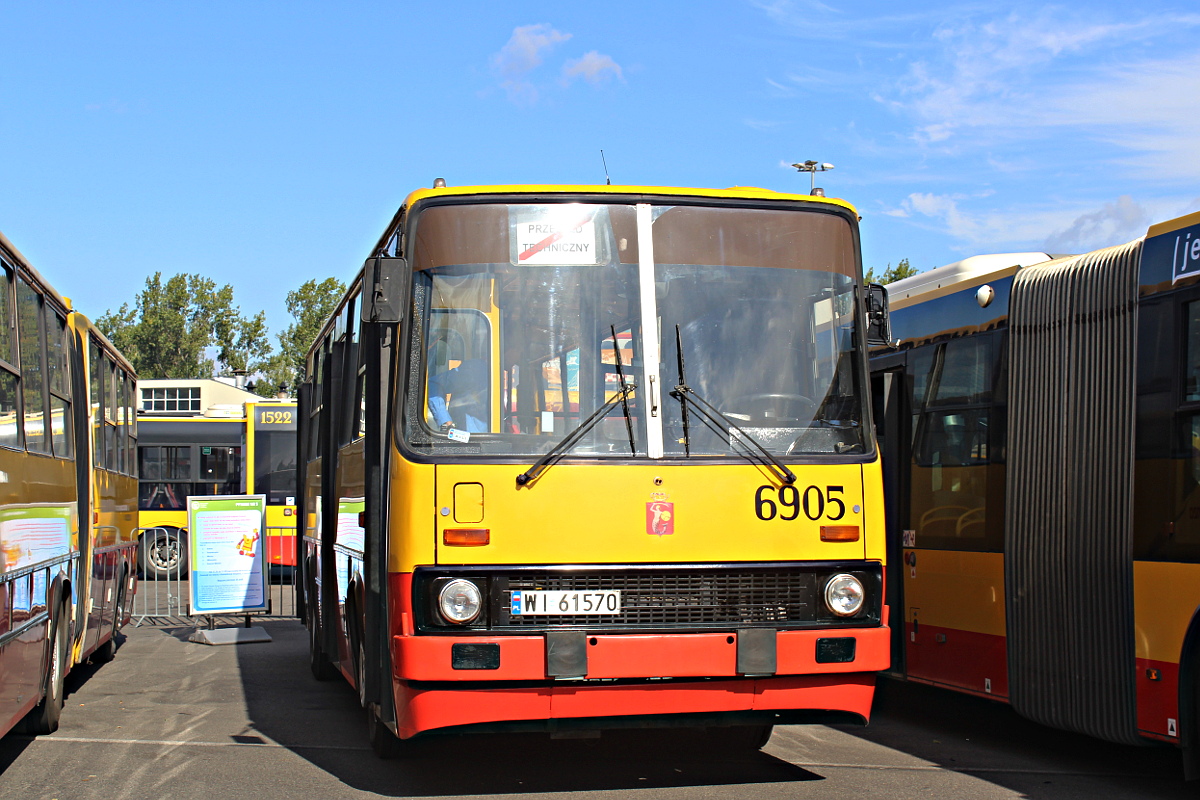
x: 541, y: 602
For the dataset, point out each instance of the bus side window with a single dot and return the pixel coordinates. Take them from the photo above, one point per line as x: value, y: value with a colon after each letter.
x: 952, y: 405
x: 10, y: 430
x: 220, y: 471
x: 33, y: 376
x: 358, y: 404
x: 97, y: 402
x: 111, y: 454
x: 347, y: 382
x: 459, y: 369
x: 318, y: 370
x: 58, y: 367
x: 1179, y: 533
x: 165, y: 472
x: 130, y: 424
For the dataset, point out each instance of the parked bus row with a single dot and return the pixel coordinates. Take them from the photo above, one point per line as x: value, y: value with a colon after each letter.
x: 68, y: 548
x: 576, y: 458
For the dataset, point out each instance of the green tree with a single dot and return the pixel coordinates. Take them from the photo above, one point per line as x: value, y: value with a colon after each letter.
x: 244, y: 345
x: 310, y: 306
x: 890, y: 275
x: 174, y: 327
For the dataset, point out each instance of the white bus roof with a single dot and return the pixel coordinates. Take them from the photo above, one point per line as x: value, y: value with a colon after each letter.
x: 960, y: 272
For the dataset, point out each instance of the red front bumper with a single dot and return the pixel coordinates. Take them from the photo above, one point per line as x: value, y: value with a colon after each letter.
x: 431, y: 694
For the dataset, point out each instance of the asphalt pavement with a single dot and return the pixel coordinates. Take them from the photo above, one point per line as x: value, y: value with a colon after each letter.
x: 172, y: 718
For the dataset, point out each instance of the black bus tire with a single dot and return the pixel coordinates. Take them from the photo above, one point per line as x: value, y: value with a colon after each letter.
x: 44, y: 717
x: 385, y: 743
x: 740, y: 738
x: 318, y: 662
x: 164, y: 554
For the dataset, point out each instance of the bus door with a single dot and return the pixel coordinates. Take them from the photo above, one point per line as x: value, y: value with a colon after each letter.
x: 892, y: 415
x: 946, y: 509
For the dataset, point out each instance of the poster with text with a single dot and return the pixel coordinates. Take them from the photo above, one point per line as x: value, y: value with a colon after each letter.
x: 36, y: 532
x: 228, y: 570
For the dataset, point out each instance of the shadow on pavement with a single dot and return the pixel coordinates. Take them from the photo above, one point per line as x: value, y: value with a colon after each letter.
x: 989, y: 740
x: 323, y: 723
x: 14, y: 744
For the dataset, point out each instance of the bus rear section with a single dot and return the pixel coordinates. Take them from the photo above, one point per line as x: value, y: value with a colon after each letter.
x: 1043, y: 418
x: 583, y: 458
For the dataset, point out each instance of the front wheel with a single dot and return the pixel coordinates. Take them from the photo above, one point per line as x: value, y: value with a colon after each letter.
x: 385, y: 743
x: 164, y: 553
x: 741, y: 738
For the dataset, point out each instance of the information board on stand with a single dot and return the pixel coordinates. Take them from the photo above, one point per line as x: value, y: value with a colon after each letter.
x: 228, y: 567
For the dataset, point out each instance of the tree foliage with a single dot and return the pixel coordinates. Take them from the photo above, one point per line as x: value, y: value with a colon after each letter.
x: 891, y: 275
x: 185, y: 327
x: 310, y: 306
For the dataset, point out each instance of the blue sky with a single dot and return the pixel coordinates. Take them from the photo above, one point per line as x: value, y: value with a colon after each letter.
x: 266, y: 143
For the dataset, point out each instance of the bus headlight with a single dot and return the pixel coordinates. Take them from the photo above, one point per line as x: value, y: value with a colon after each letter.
x: 460, y: 601
x: 844, y: 595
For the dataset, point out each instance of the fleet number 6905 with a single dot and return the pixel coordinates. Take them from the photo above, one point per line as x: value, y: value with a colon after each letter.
x: 788, y: 501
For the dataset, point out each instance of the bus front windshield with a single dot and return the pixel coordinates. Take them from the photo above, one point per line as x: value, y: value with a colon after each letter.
x: 530, y: 318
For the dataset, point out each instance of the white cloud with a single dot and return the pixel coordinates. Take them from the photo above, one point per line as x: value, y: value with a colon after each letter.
x: 516, y: 64
x: 523, y: 53
x: 1029, y: 78
x: 593, y: 67
x: 1050, y: 226
x: 992, y: 230
x: 1115, y: 223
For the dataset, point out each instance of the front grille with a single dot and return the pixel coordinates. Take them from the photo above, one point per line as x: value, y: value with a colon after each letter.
x: 674, y: 599
x: 657, y: 598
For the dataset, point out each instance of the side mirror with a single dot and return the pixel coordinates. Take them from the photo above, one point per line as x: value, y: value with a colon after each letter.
x: 382, y: 300
x: 879, y: 323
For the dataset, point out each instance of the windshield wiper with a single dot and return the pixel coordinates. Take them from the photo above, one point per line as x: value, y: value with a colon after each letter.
x: 572, y: 438
x: 686, y: 394
x: 624, y: 395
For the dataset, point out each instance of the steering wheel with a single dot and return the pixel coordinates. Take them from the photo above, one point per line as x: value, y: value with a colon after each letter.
x: 779, y: 402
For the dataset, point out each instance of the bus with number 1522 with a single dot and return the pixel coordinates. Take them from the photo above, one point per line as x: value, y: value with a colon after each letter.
x: 245, y: 448
x: 588, y: 457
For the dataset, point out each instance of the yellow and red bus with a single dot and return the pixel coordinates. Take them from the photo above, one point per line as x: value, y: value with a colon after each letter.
x: 237, y: 449
x: 587, y: 457
x: 1040, y: 421
x: 68, y: 556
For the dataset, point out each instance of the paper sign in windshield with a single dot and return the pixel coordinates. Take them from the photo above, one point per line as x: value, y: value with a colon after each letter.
x: 555, y: 236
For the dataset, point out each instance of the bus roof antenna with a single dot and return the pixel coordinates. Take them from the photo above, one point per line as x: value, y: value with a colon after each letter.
x: 607, y: 180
